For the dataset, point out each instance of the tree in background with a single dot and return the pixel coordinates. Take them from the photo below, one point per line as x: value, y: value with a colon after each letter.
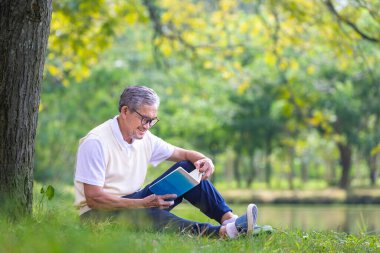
x: 257, y: 125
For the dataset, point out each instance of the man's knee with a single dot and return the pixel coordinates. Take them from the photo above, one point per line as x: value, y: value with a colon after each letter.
x: 187, y: 165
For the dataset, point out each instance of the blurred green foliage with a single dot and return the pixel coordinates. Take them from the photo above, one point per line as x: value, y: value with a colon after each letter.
x: 270, y: 89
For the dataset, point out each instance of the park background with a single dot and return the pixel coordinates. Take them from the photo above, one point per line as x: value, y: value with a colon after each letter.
x: 284, y: 96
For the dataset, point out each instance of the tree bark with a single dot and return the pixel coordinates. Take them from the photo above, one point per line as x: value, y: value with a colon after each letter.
x: 372, y: 164
x: 345, y: 163
x: 268, y: 165
x: 291, y: 173
x: 236, y: 168
x: 24, y: 31
x: 252, y: 171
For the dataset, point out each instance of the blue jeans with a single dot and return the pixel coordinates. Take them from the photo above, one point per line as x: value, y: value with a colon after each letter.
x: 204, y: 196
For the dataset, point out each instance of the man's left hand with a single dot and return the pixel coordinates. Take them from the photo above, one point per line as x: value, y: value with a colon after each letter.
x: 205, y: 166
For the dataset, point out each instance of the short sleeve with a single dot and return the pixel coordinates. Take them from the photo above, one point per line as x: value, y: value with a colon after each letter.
x: 90, y: 166
x: 161, y: 150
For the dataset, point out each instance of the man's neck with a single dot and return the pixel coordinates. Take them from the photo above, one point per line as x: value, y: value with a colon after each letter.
x: 125, y: 135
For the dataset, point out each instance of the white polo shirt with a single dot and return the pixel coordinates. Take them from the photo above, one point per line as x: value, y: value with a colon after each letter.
x: 105, y: 159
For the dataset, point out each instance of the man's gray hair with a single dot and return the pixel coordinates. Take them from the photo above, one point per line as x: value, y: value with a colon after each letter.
x: 135, y: 96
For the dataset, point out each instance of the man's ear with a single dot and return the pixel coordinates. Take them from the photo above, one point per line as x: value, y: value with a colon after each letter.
x: 125, y: 108
x: 123, y: 111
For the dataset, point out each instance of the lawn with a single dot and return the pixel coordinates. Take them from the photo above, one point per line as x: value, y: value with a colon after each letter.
x: 55, y: 227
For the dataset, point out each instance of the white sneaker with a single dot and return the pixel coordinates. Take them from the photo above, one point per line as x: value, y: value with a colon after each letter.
x: 245, y: 224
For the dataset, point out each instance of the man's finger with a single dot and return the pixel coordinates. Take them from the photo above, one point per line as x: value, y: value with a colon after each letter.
x: 169, y: 196
x: 170, y: 203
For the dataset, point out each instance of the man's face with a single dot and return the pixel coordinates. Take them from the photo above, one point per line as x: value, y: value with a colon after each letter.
x: 136, y: 123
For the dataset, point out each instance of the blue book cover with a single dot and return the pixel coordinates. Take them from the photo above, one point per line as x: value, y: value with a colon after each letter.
x: 177, y: 182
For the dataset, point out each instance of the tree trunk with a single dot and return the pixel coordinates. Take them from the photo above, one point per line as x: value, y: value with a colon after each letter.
x: 291, y: 173
x: 372, y: 164
x: 268, y: 165
x: 332, y: 177
x: 345, y: 162
x: 236, y: 169
x: 213, y: 175
x: 251, y: 173
x: 24, y: 31
x: 305, y: 163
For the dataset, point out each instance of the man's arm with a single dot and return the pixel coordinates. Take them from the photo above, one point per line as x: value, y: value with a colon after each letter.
x: 200, y: 161
x: 96, y: 198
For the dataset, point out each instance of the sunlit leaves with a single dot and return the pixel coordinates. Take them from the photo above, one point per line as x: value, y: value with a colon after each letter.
x: 81, y: 30
x: 375, y: 150
x: 323, y: 120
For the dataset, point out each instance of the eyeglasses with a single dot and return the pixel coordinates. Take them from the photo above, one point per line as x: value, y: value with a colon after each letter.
x: 146, y: 120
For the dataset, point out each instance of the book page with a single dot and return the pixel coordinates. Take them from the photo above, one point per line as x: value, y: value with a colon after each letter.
x: 196, y: 175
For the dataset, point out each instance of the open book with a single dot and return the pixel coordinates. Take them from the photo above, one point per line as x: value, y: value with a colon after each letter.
x: 177, y: 182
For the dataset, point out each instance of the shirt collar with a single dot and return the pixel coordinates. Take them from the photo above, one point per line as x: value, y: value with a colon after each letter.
x: 119, y: 137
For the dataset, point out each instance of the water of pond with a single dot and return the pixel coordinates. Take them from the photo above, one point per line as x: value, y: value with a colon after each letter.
x: 344, y: 218
x: 352, y: 219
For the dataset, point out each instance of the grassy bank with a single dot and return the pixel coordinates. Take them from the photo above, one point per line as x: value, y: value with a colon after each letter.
x: 55, y: 227
x: 312, y: 196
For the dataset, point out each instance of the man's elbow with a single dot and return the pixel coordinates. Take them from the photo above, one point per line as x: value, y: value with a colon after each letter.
x: 93, y: 195
x: 91, y: 202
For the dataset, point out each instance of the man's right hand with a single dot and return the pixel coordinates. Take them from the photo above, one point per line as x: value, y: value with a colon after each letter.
x: 159, y: 201
x: 97, y: 199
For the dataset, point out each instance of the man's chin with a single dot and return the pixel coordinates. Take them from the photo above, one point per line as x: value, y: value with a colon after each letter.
x: 140, y: 135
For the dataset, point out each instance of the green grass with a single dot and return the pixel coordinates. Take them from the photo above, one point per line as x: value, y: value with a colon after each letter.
x: 54, y: 234
x: 55, y: 227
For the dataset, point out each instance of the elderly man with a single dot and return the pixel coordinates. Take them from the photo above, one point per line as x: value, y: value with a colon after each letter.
x: 111, y: 167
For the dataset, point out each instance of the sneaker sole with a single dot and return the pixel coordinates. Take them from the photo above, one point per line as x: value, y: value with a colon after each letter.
x: 252, y: 212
